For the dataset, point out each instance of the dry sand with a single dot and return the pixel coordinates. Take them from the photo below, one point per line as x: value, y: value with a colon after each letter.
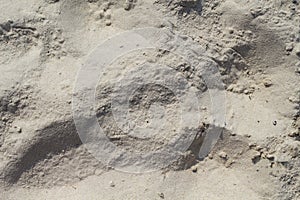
x: 252, y: 47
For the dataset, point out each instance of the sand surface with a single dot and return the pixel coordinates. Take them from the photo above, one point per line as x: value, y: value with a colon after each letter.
x: 152, y: 99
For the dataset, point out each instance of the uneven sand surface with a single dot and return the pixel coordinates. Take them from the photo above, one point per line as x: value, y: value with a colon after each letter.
x: 251, y: 47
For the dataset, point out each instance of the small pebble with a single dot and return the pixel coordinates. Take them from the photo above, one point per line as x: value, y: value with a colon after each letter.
x: 223, y: 155
x: 232, y: 134
x: 36, y: 34
x: 267, y: 83
x: 127, y: 7
x: 252, y: 145
x: 161, y: 195
x: 107, y: 22
x: 19, y: 129
x: 256, y: 158
x: 62, y: 40
x: 4, y: 119
x: 246, y: 92
x: 248, y: 33
x: 289, y: 47
x: 203, y: 108
x: 194, y: 169
x: 112, y: 184
x: 231, y: 31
